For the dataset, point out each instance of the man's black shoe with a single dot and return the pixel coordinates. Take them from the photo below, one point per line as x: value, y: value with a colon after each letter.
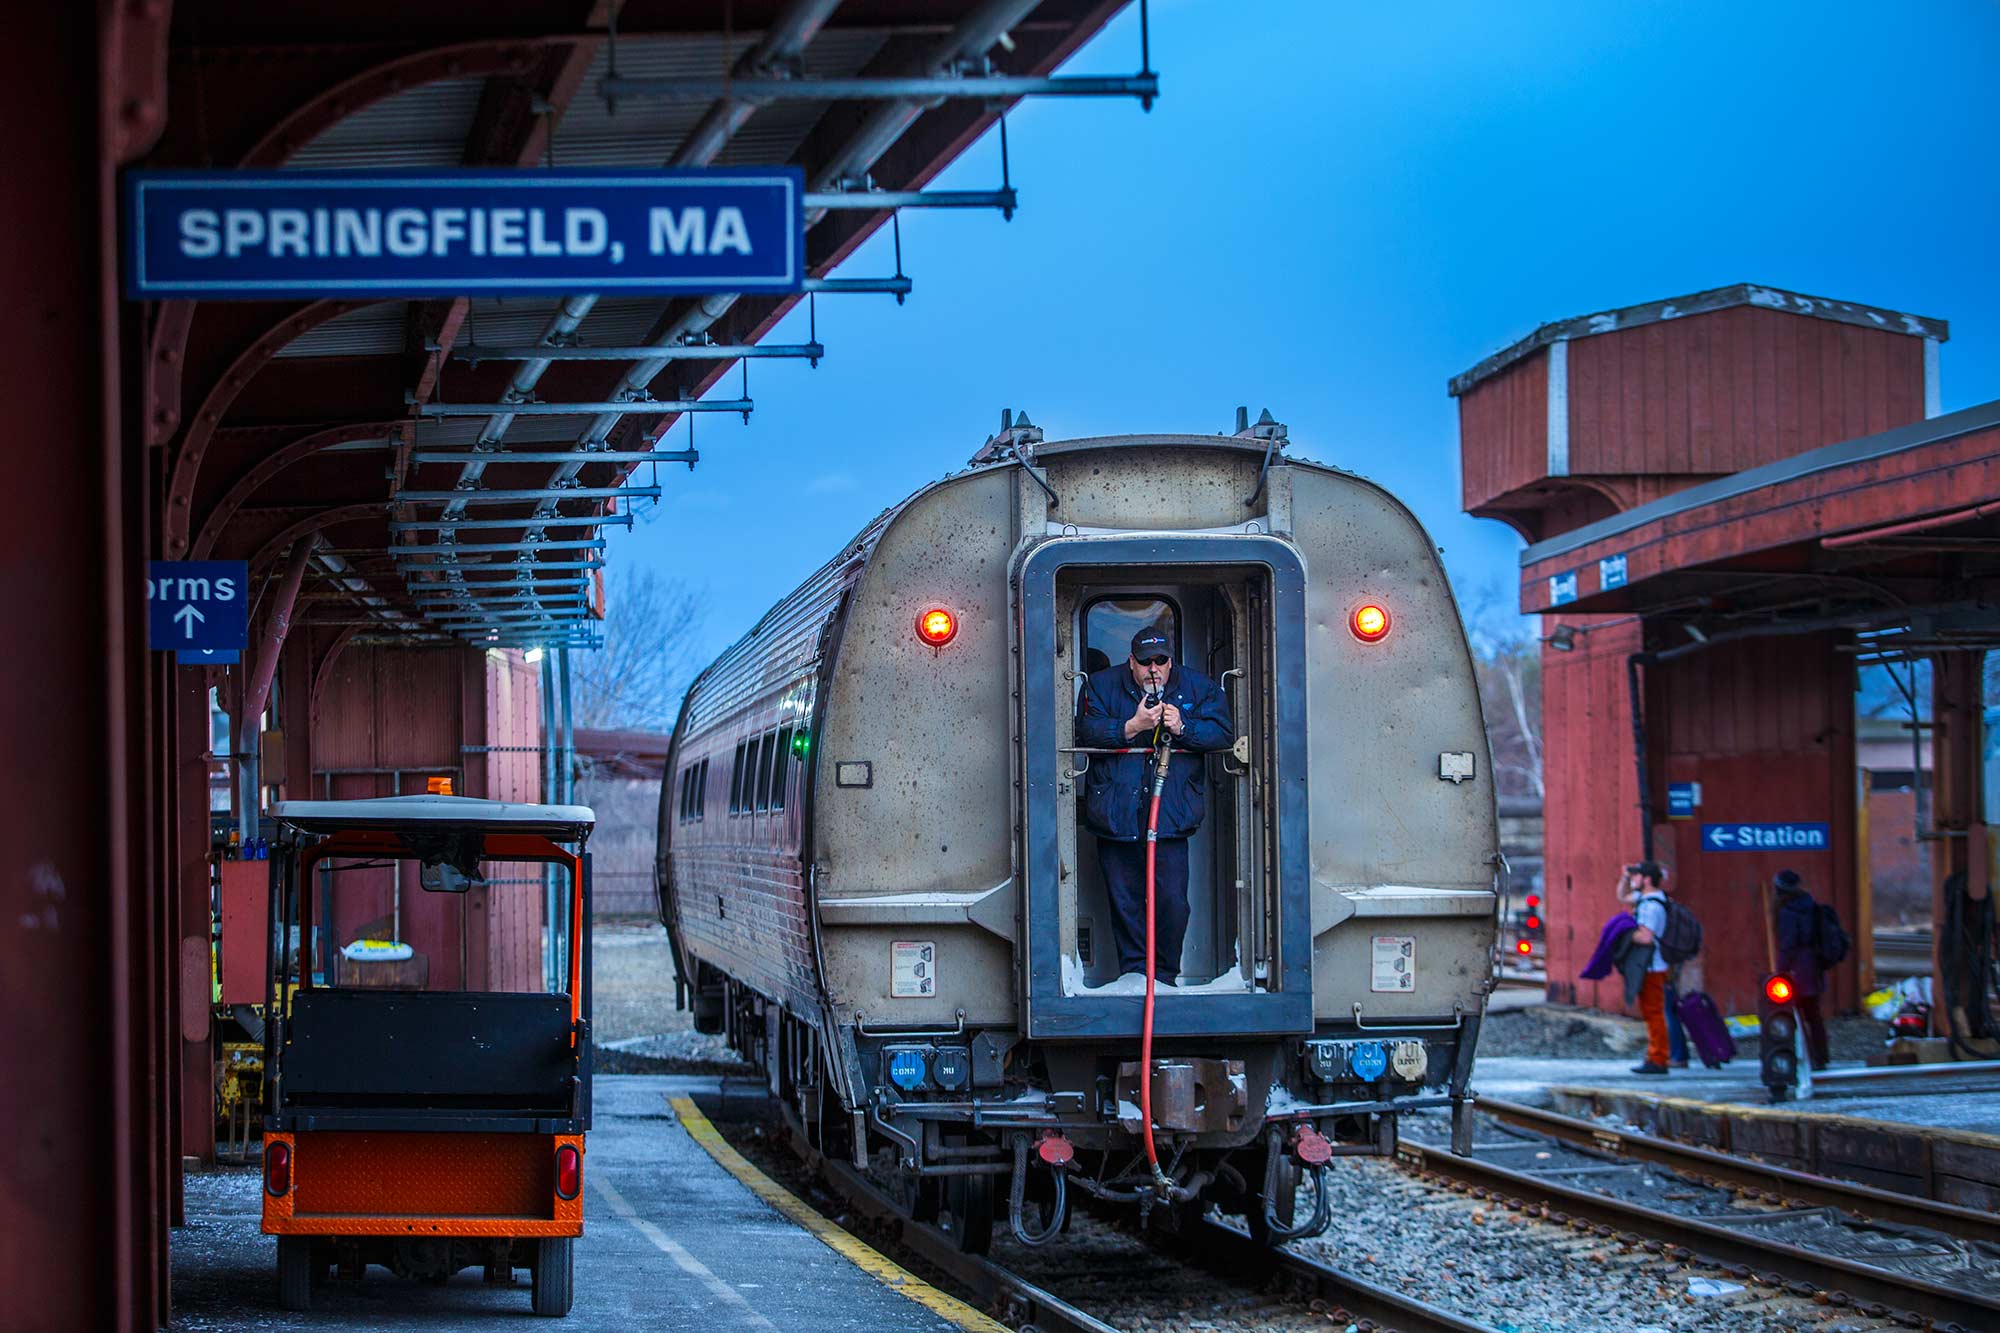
x: 1648, y: 1067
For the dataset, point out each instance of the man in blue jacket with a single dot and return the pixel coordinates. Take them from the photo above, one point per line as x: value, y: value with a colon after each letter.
x: 1129, y: 705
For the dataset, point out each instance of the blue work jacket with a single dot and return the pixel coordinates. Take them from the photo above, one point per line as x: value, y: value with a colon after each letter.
x: 1798, y: 941
x: 1118, y: 789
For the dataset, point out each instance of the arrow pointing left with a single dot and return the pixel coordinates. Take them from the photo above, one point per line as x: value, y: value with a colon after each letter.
x: 188, y: 617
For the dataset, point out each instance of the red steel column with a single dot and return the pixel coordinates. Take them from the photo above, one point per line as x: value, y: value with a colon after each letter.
x: 80, y: 1211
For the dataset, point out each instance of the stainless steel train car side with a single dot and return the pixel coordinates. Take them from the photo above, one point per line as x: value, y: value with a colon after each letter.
x: 873, y: 866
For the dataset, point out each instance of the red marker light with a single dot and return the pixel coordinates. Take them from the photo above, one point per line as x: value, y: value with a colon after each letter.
x: 1534, y: 923
x: 937, y: 627
x: 569, y: 1171
x: 1778, y: 989
x: 1534, y: 901
x: 1369, y: 622
x: 278, y: 1168
x: 1522, y: 946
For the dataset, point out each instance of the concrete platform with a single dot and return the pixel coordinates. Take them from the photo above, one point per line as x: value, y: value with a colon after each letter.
x: 671, y: 1241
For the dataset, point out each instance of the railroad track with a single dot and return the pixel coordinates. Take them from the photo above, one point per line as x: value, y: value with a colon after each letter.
x: 1934, y: 1263
x: 1214, y: 1247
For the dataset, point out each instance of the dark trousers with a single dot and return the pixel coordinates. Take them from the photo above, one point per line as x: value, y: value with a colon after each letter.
x: 1124, y: 866
x: 1814, y: 1022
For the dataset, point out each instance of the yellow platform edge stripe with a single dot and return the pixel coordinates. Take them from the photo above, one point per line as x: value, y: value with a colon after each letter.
x: 1788, y: 1111
x: 857, y: 1252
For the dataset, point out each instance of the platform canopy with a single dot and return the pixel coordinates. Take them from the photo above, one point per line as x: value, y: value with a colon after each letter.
x: 444, y: 469
x: 469, y: 814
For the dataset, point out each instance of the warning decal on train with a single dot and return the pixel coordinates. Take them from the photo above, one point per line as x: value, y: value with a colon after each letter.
x: 1394, y: 962
x: 913, y: 969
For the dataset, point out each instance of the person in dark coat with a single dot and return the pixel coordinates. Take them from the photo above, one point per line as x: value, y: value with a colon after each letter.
x: 1798, y: 958
x: 1129, y: 705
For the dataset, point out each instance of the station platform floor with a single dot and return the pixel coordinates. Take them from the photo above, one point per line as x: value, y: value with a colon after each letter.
x: 671, y: 1240
x: 1966, y: 1102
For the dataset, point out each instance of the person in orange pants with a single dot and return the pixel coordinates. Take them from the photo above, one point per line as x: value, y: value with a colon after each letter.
x: 1645, y: 887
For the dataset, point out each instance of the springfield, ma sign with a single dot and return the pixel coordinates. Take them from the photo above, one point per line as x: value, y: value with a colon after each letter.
x: 256, y: 235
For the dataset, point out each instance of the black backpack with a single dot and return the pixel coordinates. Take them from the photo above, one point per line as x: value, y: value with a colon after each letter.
x: 1681, y: 940
x: 1830, y: 942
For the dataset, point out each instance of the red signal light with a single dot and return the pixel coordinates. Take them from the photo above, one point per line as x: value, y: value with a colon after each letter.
x: 1369, y: 622
x: 569, y: 1171
x: 1778, y: 989
x: 1522, y: 946
x: 278, y: 1168
x: 1534, y: 923
x: 937, y: 627
x: 1534, y: 901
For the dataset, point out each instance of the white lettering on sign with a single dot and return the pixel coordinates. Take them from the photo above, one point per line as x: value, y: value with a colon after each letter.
x: 1392, y: 963
x: 685, y: 231
x: 191, y: 590
x: 407, y: 233
x: 912, y: 969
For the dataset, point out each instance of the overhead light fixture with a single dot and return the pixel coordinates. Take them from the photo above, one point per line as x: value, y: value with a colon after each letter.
x: 1564, y: 638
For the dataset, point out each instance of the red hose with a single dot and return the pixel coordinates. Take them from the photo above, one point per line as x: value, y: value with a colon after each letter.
x: 1146, y: 1023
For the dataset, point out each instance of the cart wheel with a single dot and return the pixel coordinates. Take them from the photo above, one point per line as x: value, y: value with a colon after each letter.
x: 295, y: 1272
x: 968, y: 1213
x: 555, y: 1275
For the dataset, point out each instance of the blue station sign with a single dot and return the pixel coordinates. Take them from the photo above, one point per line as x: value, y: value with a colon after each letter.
x: 259, y: 235
x: 197, y: 604
x: 1683, y: 799
x: 1611, y: 572
x: 1562, y: 587
x: 1783, y: 837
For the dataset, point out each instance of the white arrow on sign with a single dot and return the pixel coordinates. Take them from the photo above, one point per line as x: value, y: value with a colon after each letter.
x: 187, y: 615
x: 1722, y: 836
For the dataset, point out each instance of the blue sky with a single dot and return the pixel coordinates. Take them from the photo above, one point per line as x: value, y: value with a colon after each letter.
x: 1332, y: 210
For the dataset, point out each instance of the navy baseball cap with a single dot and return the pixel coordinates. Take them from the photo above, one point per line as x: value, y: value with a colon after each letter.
x: 1152, y: 641
x: 1786, y: 879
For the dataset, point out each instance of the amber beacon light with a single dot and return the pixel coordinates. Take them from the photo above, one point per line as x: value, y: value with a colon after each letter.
x: 937, y: 627
x: 1370, y: 622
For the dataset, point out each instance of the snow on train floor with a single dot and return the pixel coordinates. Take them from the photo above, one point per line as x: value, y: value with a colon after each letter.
x: 671, y: 1240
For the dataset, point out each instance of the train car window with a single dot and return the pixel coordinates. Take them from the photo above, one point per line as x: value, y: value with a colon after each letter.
x: 765, y: 762
x: 781, y: 768
x: 736, y: 771
x: 687, y: 790
x: 701, y: 792
x: 1110, y: 622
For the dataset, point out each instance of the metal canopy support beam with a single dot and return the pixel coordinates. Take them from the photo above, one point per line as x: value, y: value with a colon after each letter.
x: 481, y: 497
x: 878, y: 200
x: 537, y: 521
x: 474, y: 353
x: 620, y: 408
x: 452, y: 550
x: 490, y: 457
x: 985, y: 88
x: 898, y: 286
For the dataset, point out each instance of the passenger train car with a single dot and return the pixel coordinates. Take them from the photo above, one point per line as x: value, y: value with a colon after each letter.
x: 878, y: 885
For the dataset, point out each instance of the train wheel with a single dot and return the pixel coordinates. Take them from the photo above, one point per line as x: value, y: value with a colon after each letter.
x: 295, y: 1272
x: 1287, y: 1202
x: 555, y: 1275
x: 968, y: 1213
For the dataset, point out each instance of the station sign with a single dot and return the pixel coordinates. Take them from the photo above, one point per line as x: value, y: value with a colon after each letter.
x: 1562, y: 587
x: 1683, y: 799
x: 379, y: 235
x: 1611, y: 571
x: 207, y: 657
x: 1781, y: 837
x: 197, y: 604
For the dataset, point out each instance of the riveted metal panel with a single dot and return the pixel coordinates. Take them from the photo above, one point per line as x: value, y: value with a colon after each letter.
x: 423, y: 126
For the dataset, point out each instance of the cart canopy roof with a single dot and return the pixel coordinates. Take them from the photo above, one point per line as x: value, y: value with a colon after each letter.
x: 438, y: 814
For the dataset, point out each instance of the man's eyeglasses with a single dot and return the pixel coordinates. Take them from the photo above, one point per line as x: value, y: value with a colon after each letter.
x: 1155, y: 661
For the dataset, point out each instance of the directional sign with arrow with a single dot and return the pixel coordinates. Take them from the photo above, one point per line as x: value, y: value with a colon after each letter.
x: 1785, y: 837
x: 198, y: 604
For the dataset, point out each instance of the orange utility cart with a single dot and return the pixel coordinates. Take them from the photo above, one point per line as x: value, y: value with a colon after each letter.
x: 424, y: 1129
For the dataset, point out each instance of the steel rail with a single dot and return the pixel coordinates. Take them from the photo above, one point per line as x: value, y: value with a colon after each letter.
x: 1023, y: 1301
x: 1712, y: 1241
x: 1748, y: 1173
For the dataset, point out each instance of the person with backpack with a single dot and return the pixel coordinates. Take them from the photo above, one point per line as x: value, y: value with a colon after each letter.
x: 1810, y: 940
x: 1645, y: 886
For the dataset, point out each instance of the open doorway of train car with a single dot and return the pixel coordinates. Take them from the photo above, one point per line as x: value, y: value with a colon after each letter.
x: 1216, y: 618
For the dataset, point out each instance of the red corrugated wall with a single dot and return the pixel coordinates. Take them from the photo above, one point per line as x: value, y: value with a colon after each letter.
x: 1508, y: 415
x: 513, y: 772
x: 1731, y: 389
x: 1591, y: 798
x: 1767, y: 729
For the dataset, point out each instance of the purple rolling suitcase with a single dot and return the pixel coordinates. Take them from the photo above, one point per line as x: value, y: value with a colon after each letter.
x: 1705, y: 1030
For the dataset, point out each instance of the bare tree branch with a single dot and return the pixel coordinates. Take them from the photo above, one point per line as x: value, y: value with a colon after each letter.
x: 635, y: 681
